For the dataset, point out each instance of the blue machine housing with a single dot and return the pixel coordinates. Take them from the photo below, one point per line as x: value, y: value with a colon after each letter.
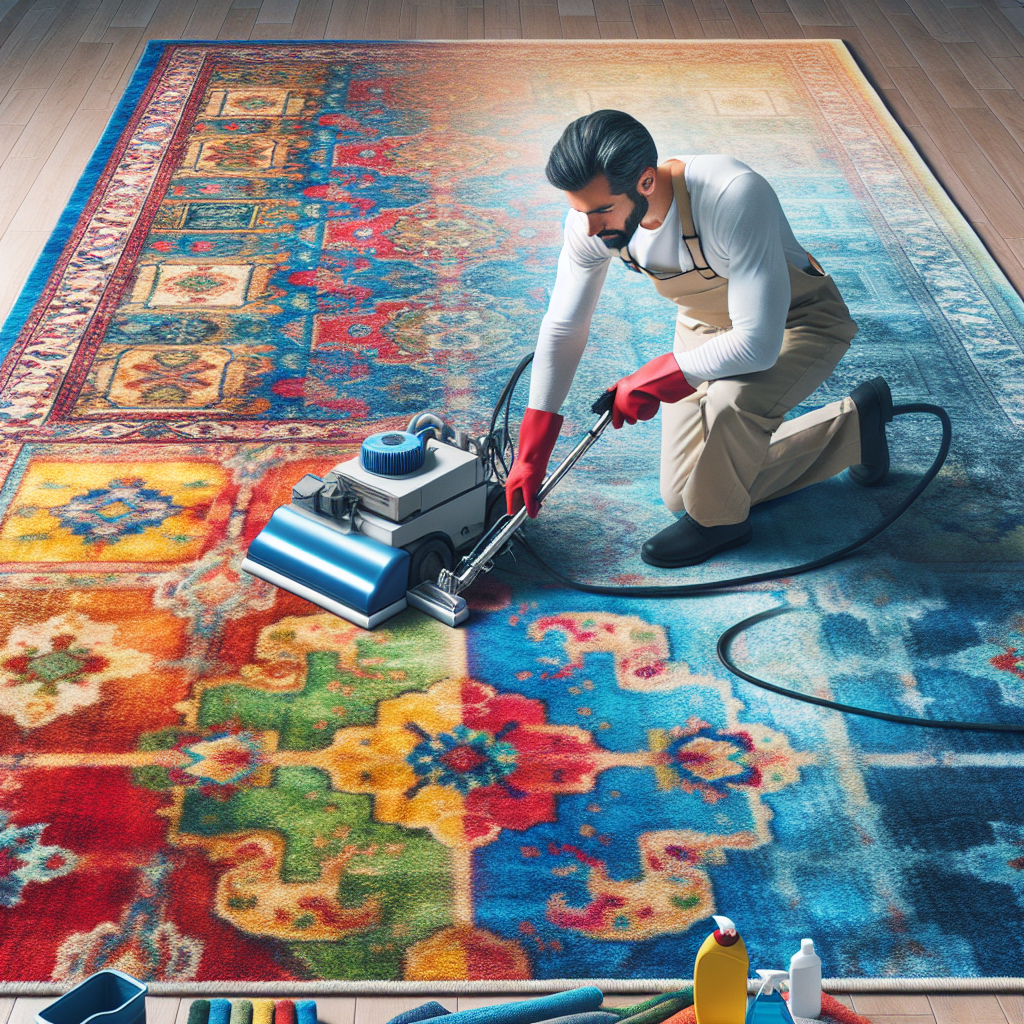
x: 346, y: 572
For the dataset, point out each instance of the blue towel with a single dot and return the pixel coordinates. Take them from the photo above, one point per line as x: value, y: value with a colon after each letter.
x: 588, y: 1017
x: 424, y: 1012
x: 220, y: 1011
x: 532, y: 1011
x: 305, y: 1011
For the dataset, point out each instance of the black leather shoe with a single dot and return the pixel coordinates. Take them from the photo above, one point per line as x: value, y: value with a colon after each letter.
x: 874, y: 406
x: 686, y: 542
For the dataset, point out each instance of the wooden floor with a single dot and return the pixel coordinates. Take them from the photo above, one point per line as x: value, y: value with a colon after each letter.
x: 951, y: 71
x: 880, y: 1009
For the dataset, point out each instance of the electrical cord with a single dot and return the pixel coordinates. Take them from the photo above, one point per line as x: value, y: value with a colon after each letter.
x: 718, y: 586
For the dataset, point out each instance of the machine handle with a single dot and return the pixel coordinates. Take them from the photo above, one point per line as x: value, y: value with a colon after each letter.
x: 605, y: 402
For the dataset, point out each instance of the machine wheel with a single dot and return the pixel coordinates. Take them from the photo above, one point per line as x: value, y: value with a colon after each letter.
x: 427, y: 557
x: 495, y: 505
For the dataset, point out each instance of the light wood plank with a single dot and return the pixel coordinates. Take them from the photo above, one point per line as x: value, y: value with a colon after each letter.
x: 277, y: 12
x: 617, y: 29
x: 898, y: 1004
x: 653, y: 22
x: 611, y: 10
x: 6, y: 1005
x: 683, y: 18
x: 936, y: 160
x: 840, y: 13
x: 937, y: 63
x: 20, y: 105
x: 746, y: 20
x: 713, y: 10
x: 382, y: 17
x: 162, y: 1009
x: 134, y: 14
x: 881, y: 36
x: 781, y: 26
x: 104, y: 93
x: 12, y: 17
x: 998, y: 145
x: 925, y: 99
x: 722, y: 28
x: 475, y: 21
x: 578, y: 27
x: 57, y: 107
x: 811, y: 12
x: 1012, y: 69
x: 336, y: 1009
x: 310, y: 19
x: 976, y: 67
x: 901, y: 1019
x: 206, y: 20
x: 448, y: 20
x: 56, y: 47
x: 938, y: 22
x: 573, y: 8
x: 55, y: 180
x: 503, y: 16
x: 381, y: 1009
x: 966, y: 1009
x: 25, y: 1010
x: 9, y: 135
x: 238, y: 23
x: 541, y: 21
x: 100, y: 21
x: 995, y: 39
x: 1013, y: 1003
x: 347, y: 19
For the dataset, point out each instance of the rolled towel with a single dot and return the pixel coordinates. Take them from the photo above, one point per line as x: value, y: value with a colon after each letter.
x: 589, y: 1017
x: 305, y: 1011
x: 199, y: 1012
x: 660, y: 1011
x: 262, y: 1011
x: 417, y: 1013
x: 284, y: 1011
x: 241, y: 1012
x: 531, y: 1011
x: 220, y: 1011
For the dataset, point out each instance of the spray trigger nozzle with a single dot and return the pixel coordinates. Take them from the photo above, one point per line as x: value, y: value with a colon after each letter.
x: 771, y: 980
x: 724, y: 924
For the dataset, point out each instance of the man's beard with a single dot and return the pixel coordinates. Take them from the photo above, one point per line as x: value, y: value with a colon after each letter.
x: 620, y: 239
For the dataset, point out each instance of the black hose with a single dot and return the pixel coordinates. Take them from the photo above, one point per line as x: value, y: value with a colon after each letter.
x: 717, y: 586
x: 726, y: 639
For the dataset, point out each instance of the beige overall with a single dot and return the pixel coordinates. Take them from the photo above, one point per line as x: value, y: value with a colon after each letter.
x: 726, y: 447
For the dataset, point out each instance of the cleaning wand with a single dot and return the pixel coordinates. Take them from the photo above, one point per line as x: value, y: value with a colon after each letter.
x: 441, y: 599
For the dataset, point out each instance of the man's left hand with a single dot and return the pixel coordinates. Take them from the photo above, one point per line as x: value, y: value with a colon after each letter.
x: 638, y: 396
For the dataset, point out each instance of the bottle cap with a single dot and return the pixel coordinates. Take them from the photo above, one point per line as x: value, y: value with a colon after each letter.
x: 726, y: 935
x: 807, y: 946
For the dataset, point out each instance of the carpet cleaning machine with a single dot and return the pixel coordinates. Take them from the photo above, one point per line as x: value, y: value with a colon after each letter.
x: 382, y: 531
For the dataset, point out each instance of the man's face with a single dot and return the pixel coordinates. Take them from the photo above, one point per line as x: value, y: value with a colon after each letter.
x: 613, y: 218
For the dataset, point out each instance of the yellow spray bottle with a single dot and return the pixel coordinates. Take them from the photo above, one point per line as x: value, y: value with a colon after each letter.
x: 720, y: 977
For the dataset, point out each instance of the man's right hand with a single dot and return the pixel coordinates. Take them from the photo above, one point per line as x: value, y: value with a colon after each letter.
x: 537, y: 437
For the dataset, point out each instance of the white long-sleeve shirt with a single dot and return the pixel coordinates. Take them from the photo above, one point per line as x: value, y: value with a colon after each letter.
x: 745, y: 238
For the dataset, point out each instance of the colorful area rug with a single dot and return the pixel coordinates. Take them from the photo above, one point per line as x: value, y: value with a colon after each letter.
x: 279, y: 249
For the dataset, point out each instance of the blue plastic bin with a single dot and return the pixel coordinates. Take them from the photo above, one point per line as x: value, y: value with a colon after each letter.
x: 108, y: 997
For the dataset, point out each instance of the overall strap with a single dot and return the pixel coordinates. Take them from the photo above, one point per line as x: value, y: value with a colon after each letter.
x: 700, y: 264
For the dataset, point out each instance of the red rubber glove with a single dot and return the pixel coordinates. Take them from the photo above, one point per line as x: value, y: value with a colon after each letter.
x: 537, y: 437
x: 638, y: 396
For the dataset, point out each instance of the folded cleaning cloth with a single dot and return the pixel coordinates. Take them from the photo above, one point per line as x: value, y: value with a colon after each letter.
x: 424, y: 1012
x: 220, y: 1011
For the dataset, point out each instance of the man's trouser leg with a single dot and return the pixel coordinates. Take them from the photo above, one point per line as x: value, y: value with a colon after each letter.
x: 726, y: 447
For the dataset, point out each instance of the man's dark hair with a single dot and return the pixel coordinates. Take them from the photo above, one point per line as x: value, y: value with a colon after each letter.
x: 607, y: 142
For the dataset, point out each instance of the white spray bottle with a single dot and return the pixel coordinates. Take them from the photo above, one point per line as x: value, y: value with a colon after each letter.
x: 805, y: 982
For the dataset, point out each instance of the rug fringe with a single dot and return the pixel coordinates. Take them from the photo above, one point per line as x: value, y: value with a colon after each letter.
x: 612, y: 986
